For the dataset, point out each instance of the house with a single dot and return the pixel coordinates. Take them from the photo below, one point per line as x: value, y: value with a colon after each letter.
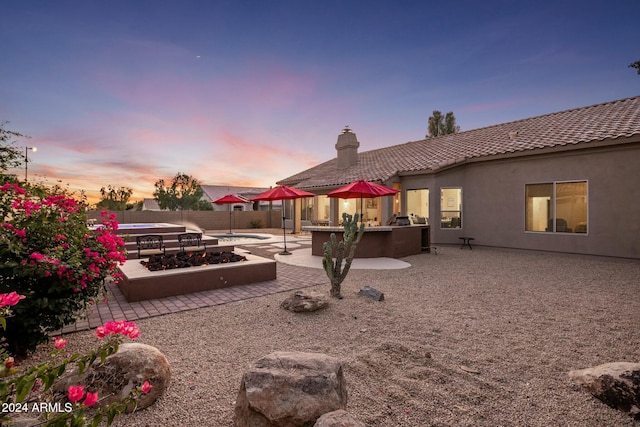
x: 215, y: 192
x: 149, y: 204
x: 564, y: 182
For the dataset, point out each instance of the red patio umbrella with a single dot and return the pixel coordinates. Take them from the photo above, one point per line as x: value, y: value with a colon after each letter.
x: 363, y: 190
x: 282, y: 192
x: 230, y: 199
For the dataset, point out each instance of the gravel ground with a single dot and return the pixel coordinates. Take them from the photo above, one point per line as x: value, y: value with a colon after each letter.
x: 521, y: 319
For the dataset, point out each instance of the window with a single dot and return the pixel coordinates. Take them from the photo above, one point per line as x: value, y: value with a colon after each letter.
x: 418, y: 205
x: 324, y: 208
x: 306, y: 209
x: 348, y: 206
x: 556, y: 207
x: 287, y: 208
x: 371, y: 210
x: 451, y: 208
x: 397, y: 198
x: 368, y: 210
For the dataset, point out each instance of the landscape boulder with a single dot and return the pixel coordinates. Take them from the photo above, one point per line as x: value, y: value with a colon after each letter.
x: 305, y: 301
x: 129, y: 367
x: 290, y: 389
x: 371, y: 293
x: 616, y: 384
x: 339, y: 418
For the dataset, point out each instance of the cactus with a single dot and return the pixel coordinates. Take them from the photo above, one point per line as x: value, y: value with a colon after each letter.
x: 334, y: 268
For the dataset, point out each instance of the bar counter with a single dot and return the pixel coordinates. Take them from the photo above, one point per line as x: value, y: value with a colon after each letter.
x: 385, y: 241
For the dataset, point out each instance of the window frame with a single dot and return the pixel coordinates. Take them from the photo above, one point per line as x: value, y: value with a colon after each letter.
x: 428, y: 201
x: 459, y: 211
x: 554, y: 207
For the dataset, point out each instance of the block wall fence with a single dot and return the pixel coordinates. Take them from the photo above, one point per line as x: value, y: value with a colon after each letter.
x: 205, y: 220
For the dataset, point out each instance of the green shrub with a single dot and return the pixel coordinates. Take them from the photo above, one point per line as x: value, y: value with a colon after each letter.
x: 256, y: 223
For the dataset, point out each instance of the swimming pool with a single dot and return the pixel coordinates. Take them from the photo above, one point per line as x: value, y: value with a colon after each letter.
x: 242, y: 238
x: 145, y: 228
x: 140, y: 225
x: 135, y: 226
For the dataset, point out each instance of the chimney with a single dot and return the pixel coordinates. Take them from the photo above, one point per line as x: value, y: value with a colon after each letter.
x: 347, y: 149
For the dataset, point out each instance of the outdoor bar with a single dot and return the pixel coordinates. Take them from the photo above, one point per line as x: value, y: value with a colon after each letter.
x: 394, y: 241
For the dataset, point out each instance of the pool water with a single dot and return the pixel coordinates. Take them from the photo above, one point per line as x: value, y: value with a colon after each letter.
x: 245, y: 238
x: 140, y: 225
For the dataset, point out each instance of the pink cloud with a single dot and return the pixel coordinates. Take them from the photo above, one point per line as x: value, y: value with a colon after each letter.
x: 69, y: 140
x: 200, y: 85
x: 249, y: 128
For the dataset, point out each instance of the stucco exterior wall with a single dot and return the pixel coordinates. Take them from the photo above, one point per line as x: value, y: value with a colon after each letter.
x: 493, y: 195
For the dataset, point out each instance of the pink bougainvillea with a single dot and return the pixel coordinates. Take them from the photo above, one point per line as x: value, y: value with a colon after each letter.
x: 13, y: 187
x: 122, y: 327
x: 60, y: 343
x: 11, y: 298
x: 91, y: 399
x: 52, y: 257
x: 75, y: 393
x: 9, y: 362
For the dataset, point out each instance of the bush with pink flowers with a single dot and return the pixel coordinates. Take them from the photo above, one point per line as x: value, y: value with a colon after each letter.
x: 28, y: 392
x: 49, y: 256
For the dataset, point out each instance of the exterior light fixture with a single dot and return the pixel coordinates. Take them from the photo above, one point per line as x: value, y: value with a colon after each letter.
x: 26, y: 160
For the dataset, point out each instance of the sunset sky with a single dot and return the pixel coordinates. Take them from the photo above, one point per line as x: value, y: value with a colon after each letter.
x: 124, y: 93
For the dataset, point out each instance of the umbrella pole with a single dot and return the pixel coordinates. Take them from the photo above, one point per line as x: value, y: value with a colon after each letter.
x: 230, y: 232
x: 284, y: 233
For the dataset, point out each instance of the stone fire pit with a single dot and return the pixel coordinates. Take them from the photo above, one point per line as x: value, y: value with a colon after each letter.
x: 190, y: 259
x: 139, y: 284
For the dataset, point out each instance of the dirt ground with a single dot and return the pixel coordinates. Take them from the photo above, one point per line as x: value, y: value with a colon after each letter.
x: 463, y: 338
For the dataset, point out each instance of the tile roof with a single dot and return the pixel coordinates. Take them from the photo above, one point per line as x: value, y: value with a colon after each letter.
x: 606, y: 121
x: 214, y: 192
x: 150, y: 205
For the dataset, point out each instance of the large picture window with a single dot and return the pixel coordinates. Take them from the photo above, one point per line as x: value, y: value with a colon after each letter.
x: 556, y: 207
x: 451, y: 207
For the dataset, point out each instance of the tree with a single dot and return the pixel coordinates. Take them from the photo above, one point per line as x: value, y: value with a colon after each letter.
x: 204, y: 205
x: 114, y: 199
x: 635, y: 65
x: 184, y: 193
x: 442, y: 125
x: 10, y: 156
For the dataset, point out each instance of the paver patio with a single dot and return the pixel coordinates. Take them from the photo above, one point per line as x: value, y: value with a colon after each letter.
x: 289, y: 277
